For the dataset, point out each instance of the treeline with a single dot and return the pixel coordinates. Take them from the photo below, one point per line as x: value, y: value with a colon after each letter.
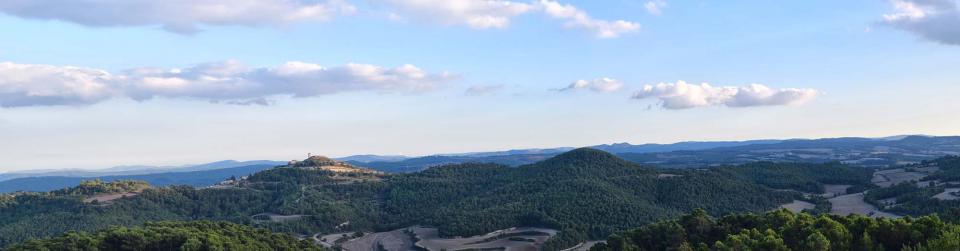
x: 949, y: 168
x: 94, y: 187
x: 197, y: 235
x: 805, y: 177
x: 782, y: 230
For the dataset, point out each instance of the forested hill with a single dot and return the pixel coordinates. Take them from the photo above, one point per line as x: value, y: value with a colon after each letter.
x: 585, y: 193
x: 198, y: 235
x: 782, y: 230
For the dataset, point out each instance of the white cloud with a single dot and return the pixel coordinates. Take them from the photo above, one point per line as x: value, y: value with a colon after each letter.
x: 479, y: 14
x: 937, y: 20
x: 681, y: 95
x: 655, y: 7
x: 577, y: 18
x: 25, y: 84
x: 228, y: 82
x: 484, y: 14
x: 181, y: 16
x: 597, y: 85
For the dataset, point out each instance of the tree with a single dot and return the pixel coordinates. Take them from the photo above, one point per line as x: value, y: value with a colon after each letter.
x: 816, y: 242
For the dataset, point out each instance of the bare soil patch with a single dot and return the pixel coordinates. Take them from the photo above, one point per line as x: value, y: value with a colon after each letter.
x: 102, y: 198
x: 797, y: 205
x: 948, y: 194
x: 854, y: 204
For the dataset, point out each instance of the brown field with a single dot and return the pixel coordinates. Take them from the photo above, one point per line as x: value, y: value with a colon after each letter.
x: 494, y: 240
x: 797, y: 205
x: 854, y: 204
x: 831, y: 191
x: 395, y: 240
x: 886, y: 178
x: 401, y: 239
x: 948, y: 194
x: 108, y: 197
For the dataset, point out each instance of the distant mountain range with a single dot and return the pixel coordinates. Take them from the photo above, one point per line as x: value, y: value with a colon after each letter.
x: 866, y: 152
x: 136, y: 170
x: 191, y: 178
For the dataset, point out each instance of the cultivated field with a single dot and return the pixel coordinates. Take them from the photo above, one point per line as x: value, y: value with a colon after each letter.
x: 831, y: 191
x: 948, y: 194
x: 429, y: 239
x: 396, y: 240
x: 513, y: 239
x: 797, y: 205
x: 886, y: 178
x: 108, y: 197
x: 854, y: 204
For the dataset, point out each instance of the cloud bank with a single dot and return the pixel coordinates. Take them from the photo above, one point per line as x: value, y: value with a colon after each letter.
x: 228, y: 82
x: 597, y: 85
x: 681, y: 95
x: 936, y: 20
x: 486, y: 14
x: 181, y: 16
x: 185, y: 16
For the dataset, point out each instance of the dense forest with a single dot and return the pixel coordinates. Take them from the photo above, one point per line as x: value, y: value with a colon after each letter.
x: 801, y: 176
x: 193, y: 236
x: 585, y: 193
x: 782, y: 230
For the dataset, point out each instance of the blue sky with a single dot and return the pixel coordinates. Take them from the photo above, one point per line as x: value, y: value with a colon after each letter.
x: 822, y: 69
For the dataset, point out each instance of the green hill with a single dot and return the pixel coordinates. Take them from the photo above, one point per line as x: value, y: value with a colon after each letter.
x: 782, y: 230
x: 585, y: 193
x: 199, y: 235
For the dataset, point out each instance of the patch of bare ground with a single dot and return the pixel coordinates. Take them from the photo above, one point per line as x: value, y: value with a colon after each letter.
x: 330, y: 240
x: 948, y: 194
x: 513, y: 239
x: 887, y: 178
x: 396, y: 240
x: 854, y: 204
x: 584, y: 246
x: 831, y: 191
x: 105, y: 198
x: 797, y: 206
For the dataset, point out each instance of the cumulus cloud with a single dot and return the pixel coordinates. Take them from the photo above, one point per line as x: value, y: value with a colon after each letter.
x: 480, y: 90
x: 681, y: 95
x: 597, y: 85
x: 655, y: 6
x: 484, y: 14
x: 479, y: 14
x: 227, y: 82
x: 23, y: 85
x: 577, y: 18
x: 937, y: 20
x: 180, y: 16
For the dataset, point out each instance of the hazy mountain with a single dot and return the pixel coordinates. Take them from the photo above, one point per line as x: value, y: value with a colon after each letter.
x: 868, y: 152
x: 681, y: 146
x: 365, y: 158
x: 193, y: 178
x: 873, y: 152
x: 135, y: 169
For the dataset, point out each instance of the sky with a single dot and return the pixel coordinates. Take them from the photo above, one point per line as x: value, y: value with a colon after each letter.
x: 94, y: 84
